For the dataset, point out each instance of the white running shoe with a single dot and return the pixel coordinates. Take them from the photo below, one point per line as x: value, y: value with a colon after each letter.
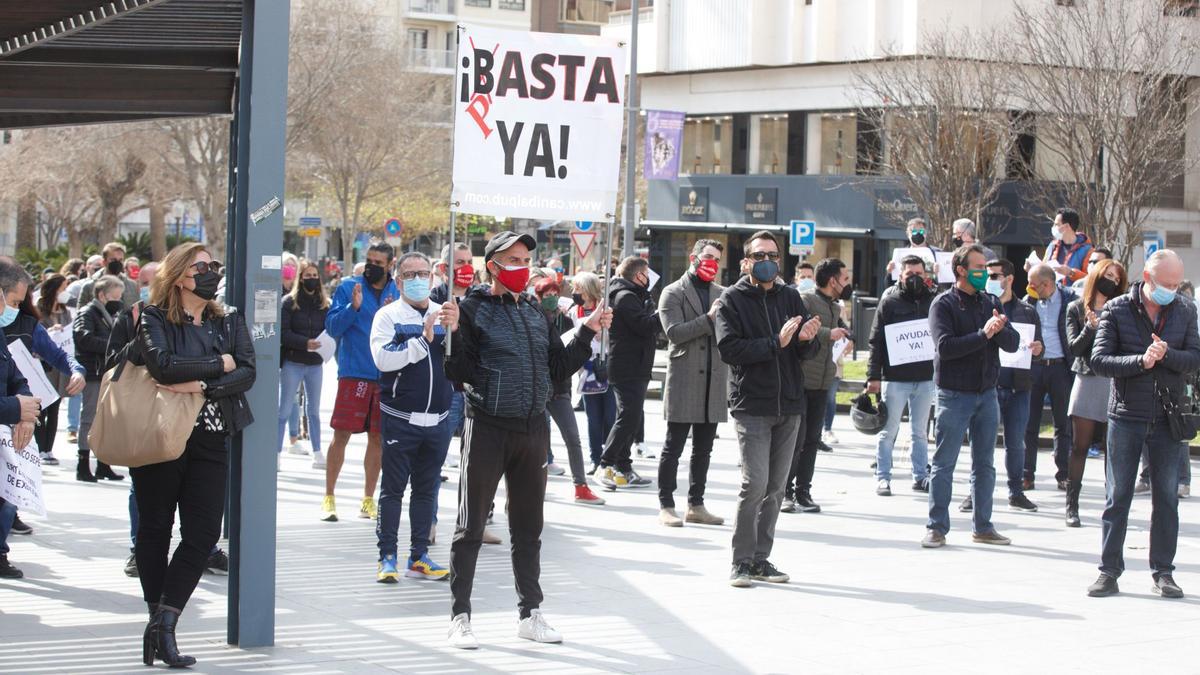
x: 829, y: 437
x: 535, y: 628
x: 554, y: 469
x: 461, y: 636
x: 318, y: 460
x: 297, y: 449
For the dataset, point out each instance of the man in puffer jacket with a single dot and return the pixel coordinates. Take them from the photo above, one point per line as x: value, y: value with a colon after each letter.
x: 505, y: 356
x: 763, y: 333
x: 1148, y: 344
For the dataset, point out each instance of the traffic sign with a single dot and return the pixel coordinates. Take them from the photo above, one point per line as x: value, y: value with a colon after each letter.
x: 310, y: 221
x: 310, y: 231
x: 583, y: 242
x: 392, y: 227
x: 583, y: 225
x: 1152, y: 243
x: 804, y: 233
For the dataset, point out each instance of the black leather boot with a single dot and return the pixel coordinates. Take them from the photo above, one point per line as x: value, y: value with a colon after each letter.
x: 105, y: 472
x: 1073, y: 489
x: 83, y: 471
x: 159, y: 640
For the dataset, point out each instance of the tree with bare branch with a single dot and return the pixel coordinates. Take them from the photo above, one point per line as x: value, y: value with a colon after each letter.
x: 197, y: 152
x: 1111, y: 104
x: 946, y: 125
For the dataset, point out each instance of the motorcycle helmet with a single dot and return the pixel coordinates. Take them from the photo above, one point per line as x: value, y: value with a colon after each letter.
x: 868, y: 417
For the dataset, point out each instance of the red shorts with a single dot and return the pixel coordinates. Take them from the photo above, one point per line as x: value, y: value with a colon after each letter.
x: 357, y: 406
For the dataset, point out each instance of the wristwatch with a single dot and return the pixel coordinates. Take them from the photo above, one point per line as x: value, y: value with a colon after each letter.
x: 203, y: 386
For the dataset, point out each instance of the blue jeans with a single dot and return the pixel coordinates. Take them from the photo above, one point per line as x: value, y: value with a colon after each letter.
x: 457, y: 412
x: 1125, y: 442
x: 601, y: 412
x: 290, y: 377
x: 957, y: 413
x: 831, y: 403
x: 1014, y: 412
x: 74, y: 405
x: 1054, y: 380
x: 7, y: 513
x: 918, y: 396
x: 416, y: 453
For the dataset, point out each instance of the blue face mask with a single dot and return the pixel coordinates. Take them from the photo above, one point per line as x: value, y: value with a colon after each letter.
x: 764, y: 271
x: 995, y: 287
x: 9, y: 316
x: 805, y: 285
x: 416, y: 290
x: 145, y: 294
x: 1161, y: 297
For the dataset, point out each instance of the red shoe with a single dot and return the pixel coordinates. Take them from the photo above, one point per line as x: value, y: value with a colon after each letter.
x: 584, y: 495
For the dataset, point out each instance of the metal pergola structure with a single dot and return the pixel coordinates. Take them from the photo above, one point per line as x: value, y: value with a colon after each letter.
x: 70, y: 62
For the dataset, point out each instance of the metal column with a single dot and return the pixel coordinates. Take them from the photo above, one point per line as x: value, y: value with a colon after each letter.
x: 255, y: 242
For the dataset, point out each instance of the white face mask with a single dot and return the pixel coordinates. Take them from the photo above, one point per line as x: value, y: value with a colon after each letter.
x: 63, y: 297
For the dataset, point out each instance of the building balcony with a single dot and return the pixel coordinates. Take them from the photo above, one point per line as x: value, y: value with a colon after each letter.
x: 430, y: 60
x: 430, y: 10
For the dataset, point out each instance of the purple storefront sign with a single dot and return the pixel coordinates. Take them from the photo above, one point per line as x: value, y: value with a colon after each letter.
x: 664, y: 136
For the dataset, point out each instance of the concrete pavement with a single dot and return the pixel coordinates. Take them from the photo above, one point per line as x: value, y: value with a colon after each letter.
x: 629, y: 595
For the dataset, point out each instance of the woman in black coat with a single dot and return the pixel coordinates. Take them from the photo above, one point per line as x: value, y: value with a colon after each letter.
x: 301, y: 321
x: 189, y: 344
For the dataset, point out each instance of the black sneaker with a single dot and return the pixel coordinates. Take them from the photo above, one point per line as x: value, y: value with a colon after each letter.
x: 805, y: 504
x: 1105, y: 586
x: 1164, y: 585
x: 763, y: 570
x: 1022, y: 503
x: 19, y: 526
x: 218, y: 563
x: 131, y: 569
x: 824, y: 447
x: 921, y: 485
x: 739, y: 577
x: 967, y: 505
x: 788, y: 505
x: 7, y: 571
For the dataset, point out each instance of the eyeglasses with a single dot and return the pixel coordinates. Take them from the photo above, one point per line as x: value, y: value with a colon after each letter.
x: 995, y: 275
x: 201, y: 267
x: 409, y: 276
x: 759, y: 256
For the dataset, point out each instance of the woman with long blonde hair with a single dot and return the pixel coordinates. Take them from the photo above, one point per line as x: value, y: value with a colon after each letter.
x: 189, y: 344
x: 1088, y: 408
x: 301, y: 321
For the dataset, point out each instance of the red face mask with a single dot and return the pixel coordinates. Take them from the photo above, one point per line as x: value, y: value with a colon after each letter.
x: 463, y: 276
x: 133, y: 272
x: 514, y: 279
x: 706, y: 270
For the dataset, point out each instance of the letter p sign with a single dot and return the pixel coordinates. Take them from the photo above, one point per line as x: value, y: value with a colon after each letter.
x: 804, y: 233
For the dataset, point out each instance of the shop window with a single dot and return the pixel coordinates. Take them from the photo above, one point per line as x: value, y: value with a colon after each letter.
x: 839, y: 135
x: 768, y: 144
x: 517, y: 5
x: 477, y: 3
x: 586, y: 11
x: 707, y: 145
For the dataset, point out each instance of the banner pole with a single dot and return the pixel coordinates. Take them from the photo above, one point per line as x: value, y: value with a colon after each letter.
x: 458, y: 29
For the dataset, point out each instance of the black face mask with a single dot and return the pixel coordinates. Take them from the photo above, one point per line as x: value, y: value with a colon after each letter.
x: 113, y: 307
x: 206, y: 285
x: 847, y: 292
x: 577, y: 299
x: 917, y: 238
x: 1107, y: 287
x: 374, y: 274
x: 311, y: 285
x: 957, y: 241
x: 115, y: 267
x: 914, y: 286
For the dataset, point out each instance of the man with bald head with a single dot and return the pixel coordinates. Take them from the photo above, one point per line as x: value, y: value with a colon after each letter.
x: 1147, y: 343
x: 1050, y: 372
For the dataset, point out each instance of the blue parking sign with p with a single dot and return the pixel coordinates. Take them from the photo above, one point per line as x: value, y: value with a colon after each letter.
x: 804, y: 233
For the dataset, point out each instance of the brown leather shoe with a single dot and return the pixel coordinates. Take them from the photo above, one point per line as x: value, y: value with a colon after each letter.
x: 699, y: 514
x: 668, y: 518
x: 990, y: 537
x: 933, y: 539
x: 1027, y: 484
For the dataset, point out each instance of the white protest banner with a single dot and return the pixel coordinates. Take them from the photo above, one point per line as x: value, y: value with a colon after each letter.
x: 838, y: 348
x: 923, y: 252
x: 537, y: 125
x: 908, y: 342
x: 64, y: 337
x: 1023, y: 357
x: 35, y: 375
x: 945, y: 267
x: 21, y: 474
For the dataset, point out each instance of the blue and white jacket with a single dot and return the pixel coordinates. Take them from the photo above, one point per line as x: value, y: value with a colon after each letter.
x: 412, y: 379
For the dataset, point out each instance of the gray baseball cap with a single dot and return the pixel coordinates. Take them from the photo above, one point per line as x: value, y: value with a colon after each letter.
x: 505, y: 239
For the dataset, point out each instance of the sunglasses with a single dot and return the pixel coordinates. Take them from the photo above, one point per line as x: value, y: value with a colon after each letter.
x: 202, y: 267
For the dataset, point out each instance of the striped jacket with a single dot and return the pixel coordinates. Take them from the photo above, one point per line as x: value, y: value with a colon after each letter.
x: 411, y: 377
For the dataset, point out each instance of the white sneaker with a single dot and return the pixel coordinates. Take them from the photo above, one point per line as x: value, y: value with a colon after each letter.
x: 451, y: 462
x: 461, y: 636
x: 318, y: 460
x: 554, y: 469
x: 297, y: 449
x: 829, y: 437
x: 535, y: 628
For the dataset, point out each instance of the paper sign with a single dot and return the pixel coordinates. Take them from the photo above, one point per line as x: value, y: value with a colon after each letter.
x: 1023, y: 357
x: 945, y: 267
x: 31, y: 368
x: 839, y: 348
x: 21, y: 474
x: 63, y: 337
x: 908, y: 342
x: 921, y: 252
x: 328, y: 346
x: 654, y: 277
x: 1033, y: 259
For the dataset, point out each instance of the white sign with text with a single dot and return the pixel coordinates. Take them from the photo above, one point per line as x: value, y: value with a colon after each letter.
x: 908, y: 342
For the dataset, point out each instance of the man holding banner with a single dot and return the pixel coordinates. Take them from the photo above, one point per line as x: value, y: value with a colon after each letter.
x: 902, y: 358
